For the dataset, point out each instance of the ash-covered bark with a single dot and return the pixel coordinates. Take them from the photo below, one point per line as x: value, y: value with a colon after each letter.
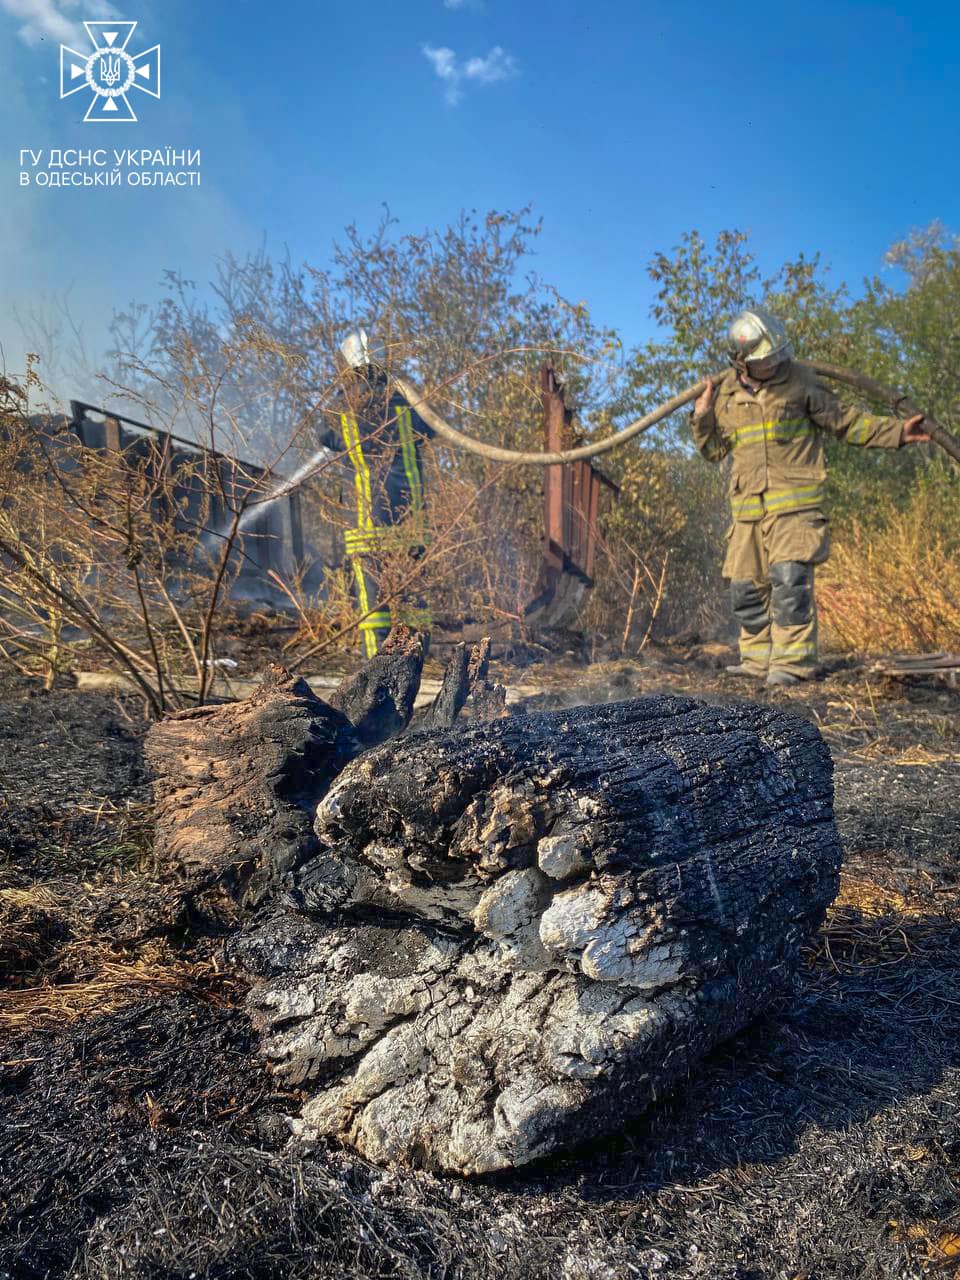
x: 516, y: 935
x: 237, y: 786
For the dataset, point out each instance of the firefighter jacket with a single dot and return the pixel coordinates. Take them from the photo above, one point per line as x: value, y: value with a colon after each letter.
x: 775, y: 437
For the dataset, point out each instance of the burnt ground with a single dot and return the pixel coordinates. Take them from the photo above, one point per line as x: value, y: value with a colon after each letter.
x: 139, y: 1136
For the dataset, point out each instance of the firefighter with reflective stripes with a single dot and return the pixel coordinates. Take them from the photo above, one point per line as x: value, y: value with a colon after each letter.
x: 770, y: 416
x: 381, y: 437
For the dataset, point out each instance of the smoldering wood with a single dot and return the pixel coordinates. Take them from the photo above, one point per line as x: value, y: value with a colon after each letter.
x: 236, y: 786
x: 378, y: 700
x: 515, y: 935
x: 489, y: 700
x: 454, y: 691
x: 466, y: 677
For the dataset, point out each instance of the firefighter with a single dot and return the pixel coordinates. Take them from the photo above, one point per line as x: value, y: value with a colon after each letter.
x: 381, y: 435
x: 771, y: 416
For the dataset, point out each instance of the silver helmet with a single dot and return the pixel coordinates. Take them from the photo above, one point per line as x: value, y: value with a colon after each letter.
x: 359, y: 351
x: 759, y: 341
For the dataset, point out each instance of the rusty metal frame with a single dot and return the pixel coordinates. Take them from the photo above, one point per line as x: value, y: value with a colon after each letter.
x: 571, y: 495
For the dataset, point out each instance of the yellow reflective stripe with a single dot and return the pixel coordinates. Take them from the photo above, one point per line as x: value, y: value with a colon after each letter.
x: 408, y: 449
x: 362, y: 598
x: 376, y: 621
x: 359, y: 540
x: 791, y: 427
x: 753, y: 506
x: 361, y: 472
x: 809, y: 495
x: 748, y: 508
x: 401, y: 537
x: 795, y: 649
x: 861, y: 430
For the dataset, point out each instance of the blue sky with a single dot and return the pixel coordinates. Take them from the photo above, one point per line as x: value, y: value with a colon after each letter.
x: 825, y: 126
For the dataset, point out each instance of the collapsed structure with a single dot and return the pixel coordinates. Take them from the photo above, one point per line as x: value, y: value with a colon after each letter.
x: 200, y: 488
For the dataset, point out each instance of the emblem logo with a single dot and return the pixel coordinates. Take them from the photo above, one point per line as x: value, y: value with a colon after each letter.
x: 110, y: 72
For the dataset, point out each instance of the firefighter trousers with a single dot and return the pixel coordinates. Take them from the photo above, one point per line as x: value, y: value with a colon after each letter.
x: 770, y: 563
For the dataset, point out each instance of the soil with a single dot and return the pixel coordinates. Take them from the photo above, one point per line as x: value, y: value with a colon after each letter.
x: 141, y: 1137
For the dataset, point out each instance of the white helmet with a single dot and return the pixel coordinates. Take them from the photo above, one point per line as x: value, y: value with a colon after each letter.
x: 359, y: 351
x: 758, y: 340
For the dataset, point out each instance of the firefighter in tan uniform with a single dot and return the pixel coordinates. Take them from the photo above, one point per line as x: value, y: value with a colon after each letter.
x: 771, y: 415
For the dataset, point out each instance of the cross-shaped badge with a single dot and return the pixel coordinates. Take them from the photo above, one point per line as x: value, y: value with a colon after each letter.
x: 110, y: 72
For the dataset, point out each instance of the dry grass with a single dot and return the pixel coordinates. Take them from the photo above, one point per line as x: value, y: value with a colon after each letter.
x: 871, y: 898
x: 60, y: 966
x: 111, y: 984
x: 875, y: 923
x: 893, y: 581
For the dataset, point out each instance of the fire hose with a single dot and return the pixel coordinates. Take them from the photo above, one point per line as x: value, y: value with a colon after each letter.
x: 898, y: 403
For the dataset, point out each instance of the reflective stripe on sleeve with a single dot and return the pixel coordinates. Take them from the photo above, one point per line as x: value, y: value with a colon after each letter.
x: 861, y: 430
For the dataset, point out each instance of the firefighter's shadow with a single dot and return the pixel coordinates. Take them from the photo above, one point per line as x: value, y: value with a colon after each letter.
x: 872, y: 1022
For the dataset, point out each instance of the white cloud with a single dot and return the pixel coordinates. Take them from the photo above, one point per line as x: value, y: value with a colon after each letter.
x: 498, y: 65
x: 46, y: 19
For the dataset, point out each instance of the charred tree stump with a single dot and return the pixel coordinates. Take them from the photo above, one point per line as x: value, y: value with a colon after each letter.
x: 515, y: 935
x: 378, y: 700
x: 236, y: 786
x: 466, y: 675
x: 454, y: 691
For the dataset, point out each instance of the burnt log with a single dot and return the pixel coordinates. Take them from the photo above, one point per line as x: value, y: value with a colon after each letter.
x: 236, y: 786
x: 515, y: 935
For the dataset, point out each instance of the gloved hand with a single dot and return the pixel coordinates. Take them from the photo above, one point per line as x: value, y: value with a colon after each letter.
x: 912, y: 433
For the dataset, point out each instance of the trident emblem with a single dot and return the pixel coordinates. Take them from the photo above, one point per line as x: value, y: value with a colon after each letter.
x: 110, y: 71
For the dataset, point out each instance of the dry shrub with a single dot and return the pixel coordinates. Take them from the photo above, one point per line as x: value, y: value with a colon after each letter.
x: 658, y: 571
x: 481, y: 535
x: 130, y: 554
x: 893, y: 581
